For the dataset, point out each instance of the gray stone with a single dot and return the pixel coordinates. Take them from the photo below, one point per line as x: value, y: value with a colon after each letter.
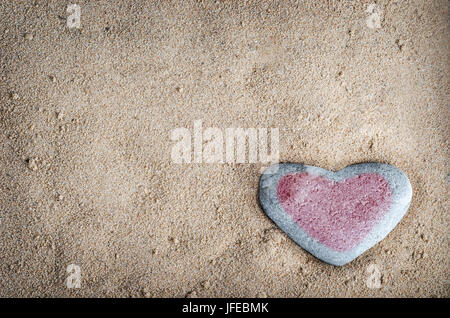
x: 401, y: 194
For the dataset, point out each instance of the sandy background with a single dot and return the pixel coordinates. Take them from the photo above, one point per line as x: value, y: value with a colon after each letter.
x: 86, y: 114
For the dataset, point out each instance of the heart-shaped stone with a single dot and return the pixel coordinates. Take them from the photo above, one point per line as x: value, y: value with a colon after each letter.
x: 336, y: 216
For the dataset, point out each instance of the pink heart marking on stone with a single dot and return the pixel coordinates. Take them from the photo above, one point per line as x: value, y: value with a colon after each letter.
x: 337, y: 214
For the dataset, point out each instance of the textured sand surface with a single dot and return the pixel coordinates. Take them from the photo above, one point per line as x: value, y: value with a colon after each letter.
x: 86, y: 175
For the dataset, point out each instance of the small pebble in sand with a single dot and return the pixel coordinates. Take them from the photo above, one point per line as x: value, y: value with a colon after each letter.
x: 179, y: 89
x: 28, y: 36
x: 423, y: 237
x: 191, y: 294
x: 261, y: 295
x: 52, y: 78
x: 278, y: 237
x: 206, y: 284
x: 32, y: 164
x: 174, y: 240
x: 146, y: 292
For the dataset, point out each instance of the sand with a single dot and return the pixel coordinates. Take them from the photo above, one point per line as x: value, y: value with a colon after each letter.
x: 86, y: 115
